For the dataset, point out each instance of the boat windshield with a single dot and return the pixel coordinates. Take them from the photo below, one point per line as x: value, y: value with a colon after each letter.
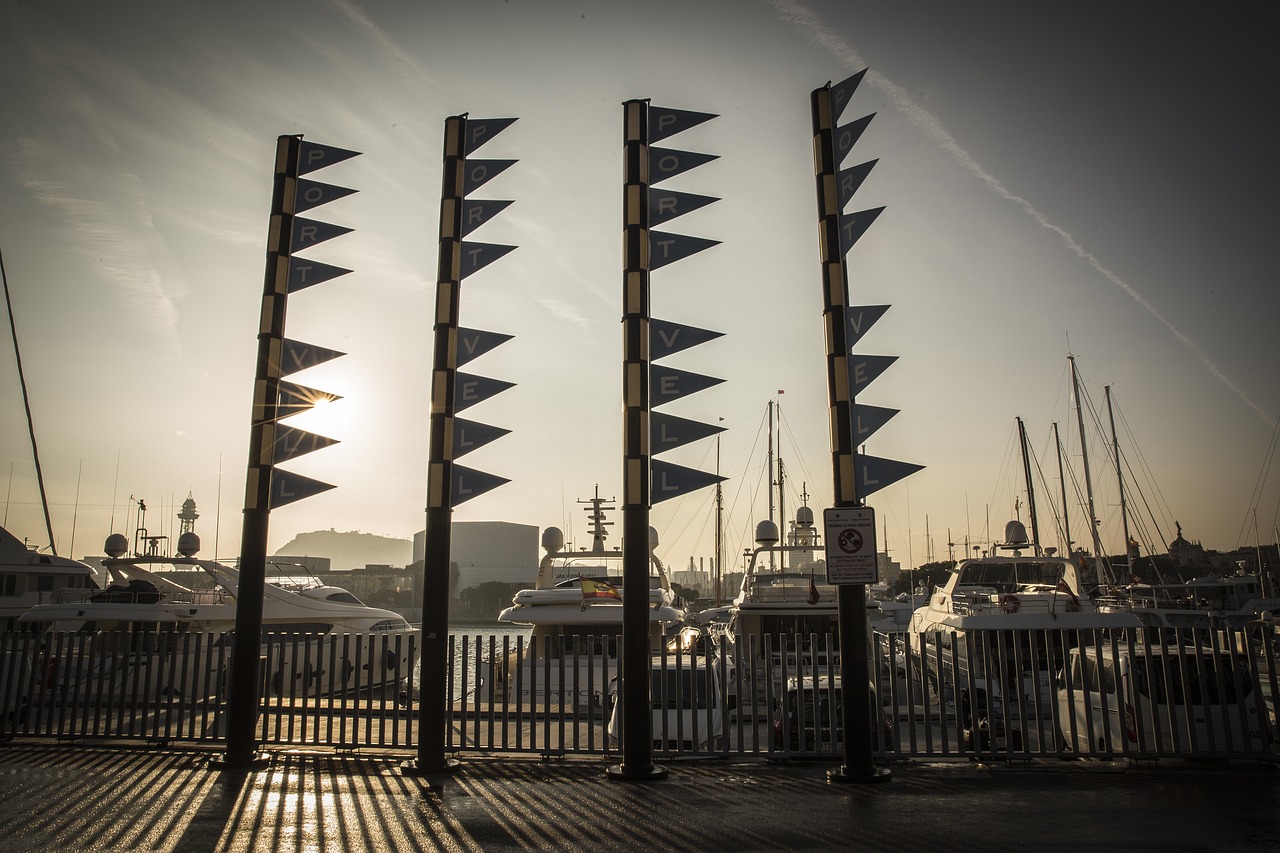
x: 1006, y: 576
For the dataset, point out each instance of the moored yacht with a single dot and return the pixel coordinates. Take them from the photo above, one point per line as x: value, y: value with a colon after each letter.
x: 1010, y: 616
x: 575, y: 610
x: 28, y: 578
x: 316, y: 638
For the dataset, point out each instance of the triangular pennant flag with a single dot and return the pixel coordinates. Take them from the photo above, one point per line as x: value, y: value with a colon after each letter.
x: 304, y: 273
x: 291, y: 443
x: 669, y: 481
x: 854, y: 225
x: 667, y: 163
x: 843, y: 138
x: 477, y: 256
x: 860, y: 318
x: 312, y: 156
x: 667, y: 432
x: 868, y: 419
x: 469, y: 483
x: 865, y: 369
x: 469, y: 389
x: 287, y: 487
x: 309, y: 232
x: 842, y: 93
x: 848, y: 181
x: 666, y: 248
x: 665, y: 205
x: 294, y: 399
x: 665, y: 121
x: 875, y: 473
x: 473, y: 343
x: 476, y: 212
x: 299, y: 356
x: 666, y: 338
x: 481, y: 130
x: 667, y: 384
x: 311, y: 194
x: 478, y: 172
x: 472, y: 435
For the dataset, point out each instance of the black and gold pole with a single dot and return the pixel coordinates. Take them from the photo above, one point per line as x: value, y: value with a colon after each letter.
x: 432, y: 718
x: 243, y: 690
x: 856, y: 717
x: 637, y: 736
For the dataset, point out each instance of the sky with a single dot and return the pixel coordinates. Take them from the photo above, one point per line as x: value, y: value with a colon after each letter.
x: 1096, y: 181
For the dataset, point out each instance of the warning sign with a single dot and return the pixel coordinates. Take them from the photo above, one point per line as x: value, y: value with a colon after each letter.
x: 851, y: 545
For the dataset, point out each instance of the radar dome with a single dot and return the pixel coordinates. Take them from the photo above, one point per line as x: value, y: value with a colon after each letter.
x: 1015, y: 533
x: 804, y: 516
x: 553, y: 539
x: 117, y: 545
x: 189, y: 544
x: 653, y: 538
x: 766, y: 533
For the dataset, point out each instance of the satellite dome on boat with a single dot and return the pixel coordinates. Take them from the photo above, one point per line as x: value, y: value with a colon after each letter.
x: 766, y: 533
x: 1015, y: 533
x: 189, y: 544
x: 117, y: 545
x: 553, y: 539
x: 804, y: 516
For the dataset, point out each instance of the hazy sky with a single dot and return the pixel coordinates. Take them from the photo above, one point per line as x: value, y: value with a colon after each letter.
x: 1093, y: 179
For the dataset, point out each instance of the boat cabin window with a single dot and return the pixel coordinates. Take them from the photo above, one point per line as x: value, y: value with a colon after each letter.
x: 281, y: 630
x: 684, y: 688
x: 8, y: 584
x: 574, y: 640
x: 1006, y: 577
x: 1218, y: 683
x: 44, y: 583
x: 343, y: 597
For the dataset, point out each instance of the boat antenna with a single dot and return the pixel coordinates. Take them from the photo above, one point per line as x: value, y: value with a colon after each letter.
x: 26, y: 404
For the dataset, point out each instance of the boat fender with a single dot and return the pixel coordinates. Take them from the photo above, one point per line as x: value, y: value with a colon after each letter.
x: 347, y: 669
x: 390, y: 659
x: 1009, y: 603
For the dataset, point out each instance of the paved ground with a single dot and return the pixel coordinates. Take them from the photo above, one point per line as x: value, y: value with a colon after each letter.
x: 100, y: 799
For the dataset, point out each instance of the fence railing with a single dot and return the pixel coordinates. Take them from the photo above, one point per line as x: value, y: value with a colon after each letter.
x: 998, y: 694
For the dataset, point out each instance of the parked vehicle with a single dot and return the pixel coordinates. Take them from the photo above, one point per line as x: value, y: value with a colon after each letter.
x: 807, y: 717
x: 687, y: 713
x: 985, y: 731
x: 1186, y: 699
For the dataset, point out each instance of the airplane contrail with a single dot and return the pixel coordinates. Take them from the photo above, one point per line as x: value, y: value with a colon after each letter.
x: 807, y: 22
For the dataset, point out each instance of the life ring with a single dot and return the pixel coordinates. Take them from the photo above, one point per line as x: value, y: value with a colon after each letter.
x: 1009, y: 603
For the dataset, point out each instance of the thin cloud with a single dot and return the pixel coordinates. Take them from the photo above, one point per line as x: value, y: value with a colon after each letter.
x: 383, y: 39
x: 811, y: 27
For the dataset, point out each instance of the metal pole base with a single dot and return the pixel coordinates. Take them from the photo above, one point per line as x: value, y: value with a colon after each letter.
x: 867, y: 776
x: 621, y: 773
x: 255, y: 761
x: 417, y: 768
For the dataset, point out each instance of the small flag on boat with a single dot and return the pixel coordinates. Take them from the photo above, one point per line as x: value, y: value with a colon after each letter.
x: 599, y: 589
x: 1062, y: 587
x: 813, y: 592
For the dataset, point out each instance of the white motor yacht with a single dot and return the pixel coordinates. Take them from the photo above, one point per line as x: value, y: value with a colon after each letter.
x: 575, y: 610
x: 316, y: 638
x: 28, y: 578
x: 1016, y: 612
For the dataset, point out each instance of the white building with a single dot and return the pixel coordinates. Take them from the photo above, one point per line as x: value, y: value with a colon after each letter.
x: 484, y: 551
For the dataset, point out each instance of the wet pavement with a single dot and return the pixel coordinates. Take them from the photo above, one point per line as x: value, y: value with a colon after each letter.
x: 62, y: 798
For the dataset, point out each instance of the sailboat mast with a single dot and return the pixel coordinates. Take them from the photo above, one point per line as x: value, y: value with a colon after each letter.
x: 26, y: 405
x: 718, y: 568
x: 1088, y: 481
x: 1124, y: 513
x: 770, y: 487
x: 1066, y: 515
x: 1031, y: 493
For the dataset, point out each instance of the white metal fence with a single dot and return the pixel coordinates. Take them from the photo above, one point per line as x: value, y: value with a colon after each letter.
x: 993, y: 695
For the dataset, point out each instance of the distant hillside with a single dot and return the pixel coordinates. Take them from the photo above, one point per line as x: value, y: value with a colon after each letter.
x: 351, y: 550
